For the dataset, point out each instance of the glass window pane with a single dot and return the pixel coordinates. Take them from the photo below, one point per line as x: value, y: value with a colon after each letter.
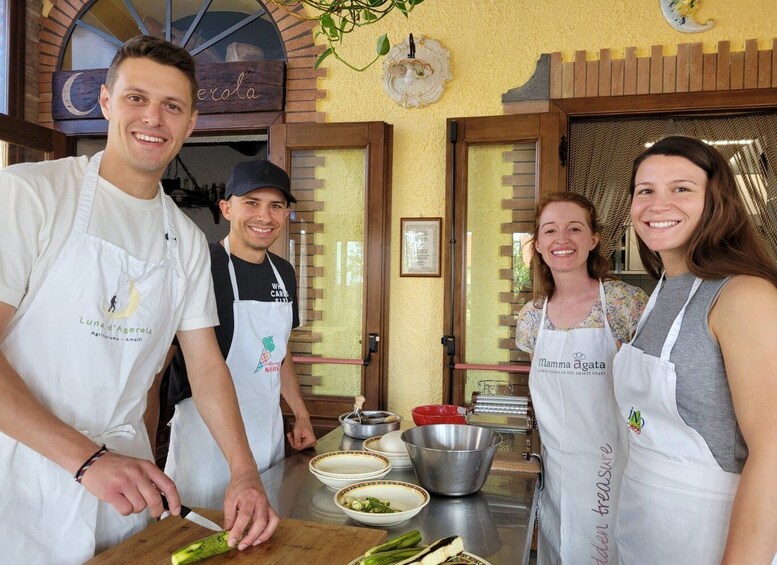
x: 327, y: 250
x: 112, y: 17
x: 11, y: 154
x: 255, y: 41
x: 500, y: 213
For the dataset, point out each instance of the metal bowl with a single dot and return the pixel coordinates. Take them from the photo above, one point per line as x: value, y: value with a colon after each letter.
x: 451, y: 459
x: 352, y: 427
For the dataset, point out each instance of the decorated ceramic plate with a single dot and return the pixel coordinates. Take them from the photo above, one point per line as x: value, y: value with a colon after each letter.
x: 461, y: 559
x: 346, y: 464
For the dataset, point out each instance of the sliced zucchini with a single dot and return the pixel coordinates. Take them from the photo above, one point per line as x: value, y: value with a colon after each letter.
x: 202, y: 549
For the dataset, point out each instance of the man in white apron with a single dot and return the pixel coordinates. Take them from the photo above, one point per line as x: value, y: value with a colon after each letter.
x: 583, y: 442
x: 98, y: 270
x: 256, y: 298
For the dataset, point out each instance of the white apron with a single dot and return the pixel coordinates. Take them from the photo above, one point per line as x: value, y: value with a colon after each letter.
x: 675, y: 500
x: 88, y: 347
x: 583, y: 442
x: 259, y: 340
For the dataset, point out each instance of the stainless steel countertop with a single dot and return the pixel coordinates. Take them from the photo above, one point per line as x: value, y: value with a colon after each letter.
x: 496, y: 523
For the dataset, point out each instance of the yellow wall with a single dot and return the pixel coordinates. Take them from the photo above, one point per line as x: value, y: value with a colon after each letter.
x: 494, y: 45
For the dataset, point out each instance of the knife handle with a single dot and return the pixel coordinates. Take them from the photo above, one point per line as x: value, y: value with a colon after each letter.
x: 184, y: 509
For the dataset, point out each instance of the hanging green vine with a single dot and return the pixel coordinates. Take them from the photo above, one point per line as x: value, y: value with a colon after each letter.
x: 339, y: 17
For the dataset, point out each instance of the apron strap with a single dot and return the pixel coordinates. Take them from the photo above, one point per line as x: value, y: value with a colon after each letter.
x: 86, y: 197
x: 233, y: 278
x: 674, y: 331
x: 602, y: 299
x: 648, y: 308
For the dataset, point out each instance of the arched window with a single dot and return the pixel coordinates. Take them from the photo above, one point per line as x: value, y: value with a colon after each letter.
x: 213, y: 31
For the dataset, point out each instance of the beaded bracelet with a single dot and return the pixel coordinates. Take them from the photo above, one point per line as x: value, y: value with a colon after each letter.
x: 89, y: 462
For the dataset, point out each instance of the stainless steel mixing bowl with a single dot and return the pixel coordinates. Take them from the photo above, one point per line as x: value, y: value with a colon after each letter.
x: 352, y: 427
x: 451, y: 459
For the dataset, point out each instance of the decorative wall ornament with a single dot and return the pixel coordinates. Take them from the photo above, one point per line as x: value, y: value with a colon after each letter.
x: 680, y: 15
x: 415, y: 72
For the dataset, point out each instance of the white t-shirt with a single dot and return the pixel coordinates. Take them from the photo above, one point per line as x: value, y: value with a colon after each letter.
x: 38, y: 203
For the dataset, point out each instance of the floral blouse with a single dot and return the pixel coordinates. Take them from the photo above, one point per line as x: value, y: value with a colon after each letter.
x: 624, y: 307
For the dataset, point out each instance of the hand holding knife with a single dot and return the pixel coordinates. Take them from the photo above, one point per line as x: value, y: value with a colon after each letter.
x: 189, y: 514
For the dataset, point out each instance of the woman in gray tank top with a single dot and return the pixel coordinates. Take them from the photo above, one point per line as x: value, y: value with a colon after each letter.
x: 698, y: 384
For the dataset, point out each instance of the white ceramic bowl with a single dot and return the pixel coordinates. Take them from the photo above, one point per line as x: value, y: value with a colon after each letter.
x: 407, y: 498
x: 338, y: 483
x: 398, y: 460
x: 347, y: 464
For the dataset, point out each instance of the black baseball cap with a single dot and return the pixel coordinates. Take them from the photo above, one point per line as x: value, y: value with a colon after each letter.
x: 250, y: 175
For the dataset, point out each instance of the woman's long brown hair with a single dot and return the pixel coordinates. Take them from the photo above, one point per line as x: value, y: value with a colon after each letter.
x: 598, y: 266
x: 724, y: 242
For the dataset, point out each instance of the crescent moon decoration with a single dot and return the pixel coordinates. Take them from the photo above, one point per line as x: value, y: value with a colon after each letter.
x: 132, y: 304
x: 67, y: 99
x: 680, y: 15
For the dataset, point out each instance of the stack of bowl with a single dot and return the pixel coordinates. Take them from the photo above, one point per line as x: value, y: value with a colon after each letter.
x: 400, y: 458
x: 339, y: 469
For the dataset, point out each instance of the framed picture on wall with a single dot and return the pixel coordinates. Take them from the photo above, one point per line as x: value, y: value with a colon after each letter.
x: 420, y: 247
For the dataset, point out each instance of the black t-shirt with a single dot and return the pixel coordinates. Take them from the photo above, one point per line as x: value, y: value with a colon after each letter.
x: 254, y: 282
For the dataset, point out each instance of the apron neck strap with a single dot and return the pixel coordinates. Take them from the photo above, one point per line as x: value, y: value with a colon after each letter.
x: 233, y: 277
x: 602, y: 299
x: 86, y: 202
x: 674, y: 331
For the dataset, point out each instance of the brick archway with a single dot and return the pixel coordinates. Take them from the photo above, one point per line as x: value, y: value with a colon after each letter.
x: 301, y: 80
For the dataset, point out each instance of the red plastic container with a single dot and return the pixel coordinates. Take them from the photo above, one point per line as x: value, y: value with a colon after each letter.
x: 437, y: 414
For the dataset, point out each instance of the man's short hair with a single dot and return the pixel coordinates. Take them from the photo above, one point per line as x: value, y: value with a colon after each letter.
x: 159, y: 51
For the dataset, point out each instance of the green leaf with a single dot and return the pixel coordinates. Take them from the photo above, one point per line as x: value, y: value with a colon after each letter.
x: 327, y: 52
x: 329, y: 26
x: 400, y: 5
x: 368, y: 16
x: 383, y: 45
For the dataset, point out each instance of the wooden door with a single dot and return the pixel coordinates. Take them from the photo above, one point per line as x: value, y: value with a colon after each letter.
x: 338, y: 240
x: 498, y: 167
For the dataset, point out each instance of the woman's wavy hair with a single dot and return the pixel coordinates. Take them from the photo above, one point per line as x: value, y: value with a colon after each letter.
x: 598, y: 266
x: 724, y: 242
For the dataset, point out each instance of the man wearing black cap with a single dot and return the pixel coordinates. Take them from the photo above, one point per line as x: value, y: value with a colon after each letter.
x: 257, y: 307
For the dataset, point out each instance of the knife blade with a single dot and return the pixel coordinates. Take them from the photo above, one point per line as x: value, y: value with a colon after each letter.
x: 189, y: 514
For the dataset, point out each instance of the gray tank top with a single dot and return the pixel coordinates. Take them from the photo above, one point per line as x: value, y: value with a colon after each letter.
x: 703, y: 395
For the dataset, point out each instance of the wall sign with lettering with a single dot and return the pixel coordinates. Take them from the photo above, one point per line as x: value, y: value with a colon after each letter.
x: 244, y: 86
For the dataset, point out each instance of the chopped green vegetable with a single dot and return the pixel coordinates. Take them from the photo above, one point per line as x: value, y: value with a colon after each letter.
x: 202, y: 549
x: 390, y: 557
x: 369, y: 504
x: 436, y: 553
x: 409, y: 539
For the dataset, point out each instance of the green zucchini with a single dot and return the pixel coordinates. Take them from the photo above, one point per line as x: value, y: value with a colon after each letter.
x: 409, y: 539
x: 436, y: 553
x: 390, y: 557
x: 202, y: 549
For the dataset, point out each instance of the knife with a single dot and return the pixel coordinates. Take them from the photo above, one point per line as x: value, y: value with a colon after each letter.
x: 189, y: 514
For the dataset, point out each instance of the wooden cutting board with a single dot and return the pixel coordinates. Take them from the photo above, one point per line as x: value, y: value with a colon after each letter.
x: 294, y: 542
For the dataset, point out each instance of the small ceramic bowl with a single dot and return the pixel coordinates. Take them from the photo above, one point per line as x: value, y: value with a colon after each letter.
x: 338, y: 483
x: 408, y: 499
x: 347, y: 464
x: 398, y: 460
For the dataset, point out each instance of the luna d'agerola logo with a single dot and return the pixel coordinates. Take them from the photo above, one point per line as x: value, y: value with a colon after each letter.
x: 636, y: 421
x: 268, y: 346
x: 118, y: 309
